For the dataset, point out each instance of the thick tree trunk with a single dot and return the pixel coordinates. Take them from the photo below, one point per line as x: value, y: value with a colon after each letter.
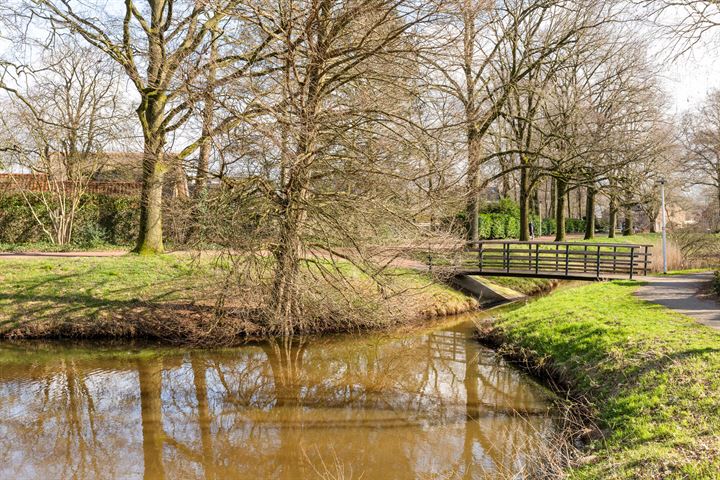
x: 590, y: 214
x: 612, y: 220
x: 150, y: 238
x: 285, y: 306
x: 561, y: 186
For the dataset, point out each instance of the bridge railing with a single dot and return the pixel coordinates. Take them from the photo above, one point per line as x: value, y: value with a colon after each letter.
x: 560, y: 259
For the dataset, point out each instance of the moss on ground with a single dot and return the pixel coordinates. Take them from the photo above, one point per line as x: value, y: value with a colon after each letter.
x: 651, y: 376
x: 173, y: 297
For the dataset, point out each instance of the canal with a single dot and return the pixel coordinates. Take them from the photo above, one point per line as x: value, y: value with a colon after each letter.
x: 433, y: 404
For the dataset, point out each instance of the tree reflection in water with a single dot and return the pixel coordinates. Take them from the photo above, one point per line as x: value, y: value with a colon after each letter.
x: 436, y: 405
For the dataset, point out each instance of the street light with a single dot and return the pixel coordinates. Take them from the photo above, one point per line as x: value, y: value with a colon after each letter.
x: 661, y: 182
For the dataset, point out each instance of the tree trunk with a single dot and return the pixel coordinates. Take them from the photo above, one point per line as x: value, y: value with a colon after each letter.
x: 208, y: 117
x: 473, y: 185
x: 717, y: 227
x: 524, y: 204
x: 561, y: 186
x: 285, y: 300
x: 590, y: 214
x: 506, y: 187
x: 579, y: 202
x: 653, y: 222
x: 535, y: 200
x: 150, y: 238
x: 628, y: 226
x: 612, y: 220
x: 568, y: 203
x: 203, y: 165
x: 285, y: 306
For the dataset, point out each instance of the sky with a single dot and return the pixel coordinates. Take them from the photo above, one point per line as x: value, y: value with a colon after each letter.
x: 688, y: 79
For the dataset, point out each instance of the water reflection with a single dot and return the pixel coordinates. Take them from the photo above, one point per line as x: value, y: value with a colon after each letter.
x: 436, y: 405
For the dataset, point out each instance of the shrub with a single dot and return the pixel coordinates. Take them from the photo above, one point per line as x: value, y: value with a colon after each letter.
x: 548, y: 226
x: 501, y: 219
x: 100, y: 219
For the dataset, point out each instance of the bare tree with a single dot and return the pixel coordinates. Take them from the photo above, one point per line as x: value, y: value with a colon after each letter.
x: 701, y: 138
x: 153, y: 41
x: 492, y: 47
x: 61, y: 120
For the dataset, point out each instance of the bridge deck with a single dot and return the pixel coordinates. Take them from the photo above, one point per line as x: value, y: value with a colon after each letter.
x: 558, y: 260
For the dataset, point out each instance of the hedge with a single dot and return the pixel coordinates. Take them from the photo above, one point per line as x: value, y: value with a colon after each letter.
x: 500, y: 220
x: 100, y: 219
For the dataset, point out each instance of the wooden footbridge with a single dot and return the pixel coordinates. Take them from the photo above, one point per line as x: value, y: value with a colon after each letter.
x: 556, y: 260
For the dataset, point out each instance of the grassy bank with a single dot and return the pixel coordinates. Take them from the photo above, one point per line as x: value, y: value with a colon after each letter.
x: 526, y: 286
x: 174, y: 297
x: 650, y: 376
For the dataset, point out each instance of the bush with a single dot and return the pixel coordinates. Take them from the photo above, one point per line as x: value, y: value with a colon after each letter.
x: 716, y: 283
x: 574, y: 225
x: 100, y: 219
x: 548, y: 226
x: 501, y: 219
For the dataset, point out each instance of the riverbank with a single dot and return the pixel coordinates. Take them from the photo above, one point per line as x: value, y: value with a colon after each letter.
x: 648, y: 376
x: 182, y: 299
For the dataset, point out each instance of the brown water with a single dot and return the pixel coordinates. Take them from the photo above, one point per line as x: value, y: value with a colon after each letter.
x: 431, y: 405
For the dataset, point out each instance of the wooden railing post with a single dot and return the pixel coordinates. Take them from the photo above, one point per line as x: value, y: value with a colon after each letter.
x: 567, y: 259
x: 645, y: 260
x: 597, y: 263
x: 537, y: 258
x: 480, y: 255
x: 529, y: 256
x: 507, y: 257
x: 632, y: 261
x: 557, y: 257
x: 614, y: 259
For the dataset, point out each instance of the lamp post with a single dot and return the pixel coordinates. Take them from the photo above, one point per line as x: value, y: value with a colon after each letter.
x: 661, y: 182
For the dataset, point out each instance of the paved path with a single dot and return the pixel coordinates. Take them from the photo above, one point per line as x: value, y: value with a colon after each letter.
x: 683, y: 293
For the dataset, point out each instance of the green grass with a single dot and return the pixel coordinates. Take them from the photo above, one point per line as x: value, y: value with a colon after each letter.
x: 637, y: 239
x: 526, y: 286
x: 68, y: 289
x: 49, y: 247
x: 651, y: 375
x: 131, y: 295
x: 687, y: 271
